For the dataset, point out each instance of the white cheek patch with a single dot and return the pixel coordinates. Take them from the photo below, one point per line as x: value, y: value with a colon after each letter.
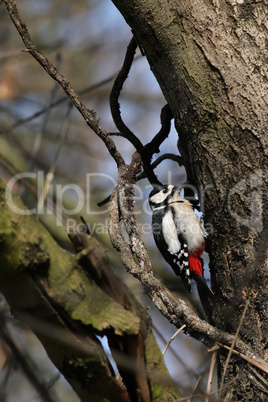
x: 160, y: 197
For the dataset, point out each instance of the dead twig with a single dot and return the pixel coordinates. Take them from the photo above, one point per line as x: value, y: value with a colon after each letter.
x: 172, y: 338
x: 210, y: 374
x: 252, y: 361
x: 233, y: 345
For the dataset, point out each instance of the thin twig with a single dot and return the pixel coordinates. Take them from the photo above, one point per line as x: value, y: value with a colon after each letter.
x: 152, y: 147
x: 165, y: 118
x: 196, y: 385
x: 105, y: 201
x: 190, y: 372
x: 233, y: 345
x: 172, y: 338
x: 143, y: 175
x: 210, y: 374
x: 211, y: 394
x: 252, y: 361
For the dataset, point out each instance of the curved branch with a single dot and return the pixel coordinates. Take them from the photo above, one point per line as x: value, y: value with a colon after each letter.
x: 115, y: 92
x: 153, y: 146
x: 175, y: 158
x: 148, y: 150
x: 166, y: 116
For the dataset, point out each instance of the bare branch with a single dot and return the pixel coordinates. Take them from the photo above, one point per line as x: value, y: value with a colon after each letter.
x: 252, y: 361
x: 118, y: 240
x: 152, y: 147
x: 115, y: 92
x: 143, y: 175
x: 210, y: 374
x: 172, y: 338
x: 175, y: 158
x: 165, y: 118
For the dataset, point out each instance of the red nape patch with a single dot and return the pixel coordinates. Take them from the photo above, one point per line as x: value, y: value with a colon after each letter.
x: 195, y: 264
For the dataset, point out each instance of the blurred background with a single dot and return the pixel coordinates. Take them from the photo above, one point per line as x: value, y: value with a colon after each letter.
x: 46, y: 142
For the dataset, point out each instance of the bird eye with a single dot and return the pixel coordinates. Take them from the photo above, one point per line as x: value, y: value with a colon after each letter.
x: 165, y: 190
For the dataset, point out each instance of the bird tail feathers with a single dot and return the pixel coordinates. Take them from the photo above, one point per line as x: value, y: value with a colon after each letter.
x: 205, y: 294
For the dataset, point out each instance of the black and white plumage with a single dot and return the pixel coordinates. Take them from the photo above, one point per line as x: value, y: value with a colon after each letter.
x: 178, y: 235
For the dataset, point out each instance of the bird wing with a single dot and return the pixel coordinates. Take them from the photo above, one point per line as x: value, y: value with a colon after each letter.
x: 178, y: 249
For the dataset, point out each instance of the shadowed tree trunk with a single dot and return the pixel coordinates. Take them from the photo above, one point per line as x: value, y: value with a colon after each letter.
x: 210, y: 59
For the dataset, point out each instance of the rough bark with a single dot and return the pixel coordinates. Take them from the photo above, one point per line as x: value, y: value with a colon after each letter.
x: 210, y: 59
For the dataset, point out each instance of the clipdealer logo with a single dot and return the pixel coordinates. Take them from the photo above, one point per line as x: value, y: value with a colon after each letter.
x: 62, y: 193
x: 59, y: 196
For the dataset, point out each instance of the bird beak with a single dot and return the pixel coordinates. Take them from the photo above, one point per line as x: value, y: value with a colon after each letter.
x: 177, y: 190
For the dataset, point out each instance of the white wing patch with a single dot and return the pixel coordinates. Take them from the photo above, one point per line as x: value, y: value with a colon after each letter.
x: 170, y: 233
x: 179, y: 252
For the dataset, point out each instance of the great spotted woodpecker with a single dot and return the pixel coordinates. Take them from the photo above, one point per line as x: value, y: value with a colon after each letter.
x: 179, y: 236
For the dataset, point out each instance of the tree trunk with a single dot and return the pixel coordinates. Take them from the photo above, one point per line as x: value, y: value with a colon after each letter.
x: 210, y: 59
